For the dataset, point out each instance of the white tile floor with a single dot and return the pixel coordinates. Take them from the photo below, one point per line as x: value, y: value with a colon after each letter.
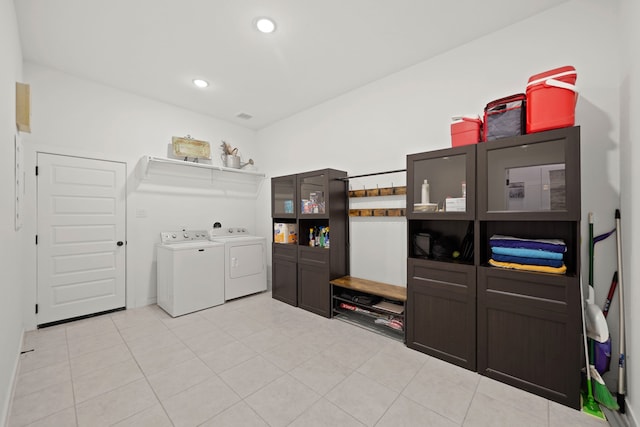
x: 254, y: 362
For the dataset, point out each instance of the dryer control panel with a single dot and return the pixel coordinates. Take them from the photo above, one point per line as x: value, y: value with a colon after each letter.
x: 228, y: 232
x: 169, y: 237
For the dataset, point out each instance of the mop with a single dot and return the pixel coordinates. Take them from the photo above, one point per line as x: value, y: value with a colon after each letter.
x: 597, y: 330
x: 621, y: 361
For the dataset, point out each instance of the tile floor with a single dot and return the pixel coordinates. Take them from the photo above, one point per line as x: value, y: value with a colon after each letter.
x: 253, y: 362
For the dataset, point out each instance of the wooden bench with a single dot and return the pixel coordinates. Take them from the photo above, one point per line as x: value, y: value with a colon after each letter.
x: 368, y: 315
x: 384, y: 290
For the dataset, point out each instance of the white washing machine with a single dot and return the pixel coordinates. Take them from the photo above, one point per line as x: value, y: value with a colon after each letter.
x: 245, y: 265
x: 190, y: 272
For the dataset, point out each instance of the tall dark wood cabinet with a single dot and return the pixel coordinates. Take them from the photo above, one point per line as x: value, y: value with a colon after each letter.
x: 301, y: 272
x: 441, y: 268
x: 519, y: 327
x: 529, y: 323
x: 284, y: 266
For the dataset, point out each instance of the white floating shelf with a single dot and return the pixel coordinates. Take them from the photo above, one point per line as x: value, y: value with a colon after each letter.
x: 150, y: 160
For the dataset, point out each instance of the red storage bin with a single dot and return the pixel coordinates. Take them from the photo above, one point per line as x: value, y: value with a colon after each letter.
x: 465, y: 131
x: 551, y: 99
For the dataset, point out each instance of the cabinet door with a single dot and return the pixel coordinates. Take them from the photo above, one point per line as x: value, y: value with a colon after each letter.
x: 529, y: 333
x: 283, y: 197
x: 284, y: 281
x: 533, y: 177
x: 314, y: 290
x: 441, y: 311
x: 441, y: 184
x: 313, y: 194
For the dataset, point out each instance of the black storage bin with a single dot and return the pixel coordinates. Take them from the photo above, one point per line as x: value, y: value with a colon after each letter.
x: 505, y: 117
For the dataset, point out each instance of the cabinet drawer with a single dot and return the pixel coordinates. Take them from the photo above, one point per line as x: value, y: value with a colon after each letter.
x: 544, y: 291
x: 444, y: 276
x: 308, y: 255
x: 288, y: 252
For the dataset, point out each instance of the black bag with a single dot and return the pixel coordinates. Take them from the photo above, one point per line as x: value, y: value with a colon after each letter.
x: 505, y: 117
x: 422, y: 245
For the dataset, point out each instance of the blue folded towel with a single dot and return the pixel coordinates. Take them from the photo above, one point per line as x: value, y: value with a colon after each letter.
x: 526, y: 253
x: 551, y: 245
x: 529, y: 261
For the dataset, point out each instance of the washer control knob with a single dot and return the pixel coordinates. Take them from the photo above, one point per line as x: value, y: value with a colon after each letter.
x: 231, y: 230
x: 174, y: 235
x: 186, y: 235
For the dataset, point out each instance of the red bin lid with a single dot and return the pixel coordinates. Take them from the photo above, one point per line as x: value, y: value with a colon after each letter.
x: 567, y: 73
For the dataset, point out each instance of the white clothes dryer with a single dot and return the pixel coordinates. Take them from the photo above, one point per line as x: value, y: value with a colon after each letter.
x: 245, y: 265
x: 190, y: 271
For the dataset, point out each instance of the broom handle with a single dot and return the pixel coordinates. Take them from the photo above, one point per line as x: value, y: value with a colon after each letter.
x: 591, y: 249
x: 621, y: 361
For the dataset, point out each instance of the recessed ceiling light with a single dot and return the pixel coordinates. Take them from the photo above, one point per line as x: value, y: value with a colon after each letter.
x: 265, y: 25
x: 200, y: 83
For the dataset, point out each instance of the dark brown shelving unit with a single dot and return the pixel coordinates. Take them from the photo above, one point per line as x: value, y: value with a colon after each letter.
x: 519, y: 327
x: 284, y: 271
x: 529, y: 323
x: 441, y: 289
x: 300, y: 272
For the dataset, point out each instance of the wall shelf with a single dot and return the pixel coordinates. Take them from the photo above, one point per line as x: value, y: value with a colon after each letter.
x: 376, y: 192
x: 151, y: 161
x: 158, y: 174
x: 377, y: 212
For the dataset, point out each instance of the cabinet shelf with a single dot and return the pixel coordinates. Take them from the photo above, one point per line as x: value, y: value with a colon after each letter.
x: 367, y: 322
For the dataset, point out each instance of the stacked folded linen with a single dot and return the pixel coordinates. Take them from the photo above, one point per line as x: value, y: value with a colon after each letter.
x: 543, y: 255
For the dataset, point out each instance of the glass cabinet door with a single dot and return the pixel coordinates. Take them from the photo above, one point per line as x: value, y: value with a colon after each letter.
x: 441, y: 183
x: 534, y: 175
x: 283, y: 197
x: 313, y: 194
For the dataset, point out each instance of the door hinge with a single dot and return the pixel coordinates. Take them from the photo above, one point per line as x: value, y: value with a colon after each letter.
x: 36, y: 171
x: 36, y: 308
x: 36, y: 239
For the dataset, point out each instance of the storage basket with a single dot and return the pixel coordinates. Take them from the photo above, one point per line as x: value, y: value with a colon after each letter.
x: 505, y: 117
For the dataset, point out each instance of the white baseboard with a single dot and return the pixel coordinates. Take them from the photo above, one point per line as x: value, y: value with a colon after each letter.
x: 4, y: 416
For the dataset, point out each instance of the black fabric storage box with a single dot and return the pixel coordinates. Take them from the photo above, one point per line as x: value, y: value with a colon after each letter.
x: 505, y: 117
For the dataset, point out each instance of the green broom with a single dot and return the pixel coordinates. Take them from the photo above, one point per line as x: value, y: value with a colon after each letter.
x: 600, y: 391
x: 589, y: 405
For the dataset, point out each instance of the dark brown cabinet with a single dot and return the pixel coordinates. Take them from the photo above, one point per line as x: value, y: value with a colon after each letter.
x: 516, y: 326
x: 284, y: 266
x: 315, y: 203
x: 441, y: 270
x: 441, y: 311
x: 529, y: 323
x: 285, y: 273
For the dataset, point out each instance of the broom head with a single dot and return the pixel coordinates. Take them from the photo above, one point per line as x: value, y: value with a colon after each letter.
x: 600, y: 391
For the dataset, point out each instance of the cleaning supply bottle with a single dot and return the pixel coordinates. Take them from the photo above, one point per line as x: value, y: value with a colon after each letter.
x: 425, y: 192
x: 311, y: 239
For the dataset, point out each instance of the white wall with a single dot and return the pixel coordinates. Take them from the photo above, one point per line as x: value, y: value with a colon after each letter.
x: 373, y: 128
x: 10, y: 284
x: 76, y: 117
x: 630, y: 200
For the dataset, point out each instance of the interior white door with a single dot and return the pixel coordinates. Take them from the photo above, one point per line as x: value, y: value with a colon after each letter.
x: 81, y: 237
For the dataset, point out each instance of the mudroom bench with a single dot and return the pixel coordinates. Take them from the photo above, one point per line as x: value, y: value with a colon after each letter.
x: 372, y: 305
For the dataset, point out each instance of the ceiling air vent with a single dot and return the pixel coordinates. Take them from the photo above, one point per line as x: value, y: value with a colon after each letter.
x: 244, y: 116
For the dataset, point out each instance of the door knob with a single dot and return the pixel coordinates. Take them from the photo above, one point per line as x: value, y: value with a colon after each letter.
x: 120, y: 243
